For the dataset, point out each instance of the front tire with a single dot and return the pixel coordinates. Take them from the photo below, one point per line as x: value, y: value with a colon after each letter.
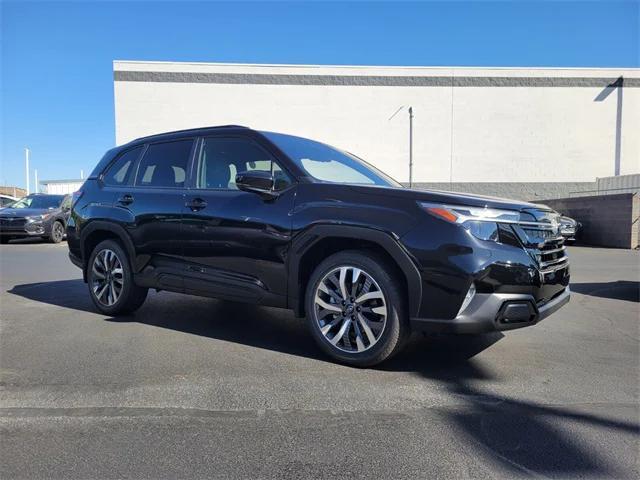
x: 356, y: 309
x: 110, y: 280
x: 57, y: 232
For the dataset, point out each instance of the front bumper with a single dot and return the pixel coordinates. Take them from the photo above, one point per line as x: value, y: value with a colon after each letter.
x: 490, y: 312
x: 34, y: 231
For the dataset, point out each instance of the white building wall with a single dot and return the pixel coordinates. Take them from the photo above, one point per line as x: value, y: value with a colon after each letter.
x: 486, y: 133
x: 59, y: 188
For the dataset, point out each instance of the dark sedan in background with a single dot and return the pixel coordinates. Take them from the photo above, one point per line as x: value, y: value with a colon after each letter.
x: 36, y: 215
x: 569, y: 228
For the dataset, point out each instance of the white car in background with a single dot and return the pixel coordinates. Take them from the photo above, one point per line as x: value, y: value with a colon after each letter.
x: 6, y: 200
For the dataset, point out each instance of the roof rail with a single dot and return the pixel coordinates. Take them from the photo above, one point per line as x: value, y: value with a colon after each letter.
x: 187, y: 130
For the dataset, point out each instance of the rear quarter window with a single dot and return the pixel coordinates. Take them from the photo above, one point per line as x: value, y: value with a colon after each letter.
x: 120, y: 170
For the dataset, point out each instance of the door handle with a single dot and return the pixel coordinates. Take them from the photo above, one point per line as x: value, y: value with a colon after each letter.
x: 126, y: 199
x: 196, y: 204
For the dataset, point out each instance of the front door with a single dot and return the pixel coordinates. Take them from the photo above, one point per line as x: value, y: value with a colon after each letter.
x: 236, y: 242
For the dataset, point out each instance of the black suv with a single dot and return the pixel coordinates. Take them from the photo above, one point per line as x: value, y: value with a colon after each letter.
x: 284, y: 221
x: 36, y: 215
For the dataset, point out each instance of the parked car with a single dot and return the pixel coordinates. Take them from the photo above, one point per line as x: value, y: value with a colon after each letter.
x: 569, y: 228
x: 6, y: 200
x: 284, y: 221
x: 36, y: 215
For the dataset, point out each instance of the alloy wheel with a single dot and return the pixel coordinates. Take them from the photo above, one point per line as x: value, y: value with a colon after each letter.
x: 107, y: 277
x: 350, y: 309
x: 57, y: 231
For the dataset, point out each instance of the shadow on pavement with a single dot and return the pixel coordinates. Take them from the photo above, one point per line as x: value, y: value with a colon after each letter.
x: 526, y: 437
x: 619, y: 290
x: 30, y: 241
x: 261, y: 327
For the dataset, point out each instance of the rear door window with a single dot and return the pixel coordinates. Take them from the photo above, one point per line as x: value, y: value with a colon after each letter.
x: 164, y: 164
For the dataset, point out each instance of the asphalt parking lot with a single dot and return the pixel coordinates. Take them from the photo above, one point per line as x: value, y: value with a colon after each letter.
x: 192, y: 387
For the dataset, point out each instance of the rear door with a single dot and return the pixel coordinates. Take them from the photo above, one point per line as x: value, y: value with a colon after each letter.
x: 236, y: 242
x: 155, y: 202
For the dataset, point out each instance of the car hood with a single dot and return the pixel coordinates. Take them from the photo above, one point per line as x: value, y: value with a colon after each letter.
x: 24, y: 212
x: 451, y: 198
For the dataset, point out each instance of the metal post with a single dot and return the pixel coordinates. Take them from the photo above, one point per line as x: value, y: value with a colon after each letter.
x: 35, y: 174
x: 26, y: 159
x: 410, y: 147
x: 81, y: 174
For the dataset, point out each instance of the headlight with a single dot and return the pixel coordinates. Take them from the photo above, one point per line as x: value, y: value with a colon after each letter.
x: 482, y: 223
x: 38, y: 218
x: 482, y: 230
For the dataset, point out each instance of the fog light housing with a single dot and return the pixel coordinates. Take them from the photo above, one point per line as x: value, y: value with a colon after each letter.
x: 468, y: 297
x: 34, y: 227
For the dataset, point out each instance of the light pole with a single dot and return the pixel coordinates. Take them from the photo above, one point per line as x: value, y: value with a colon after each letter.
x: 35, y: 181
x: 410, y: 147
x: 410, y: 109
x: 26, y: 160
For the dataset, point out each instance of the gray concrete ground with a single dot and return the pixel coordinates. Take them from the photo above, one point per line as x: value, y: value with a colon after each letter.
x: 197, y: 388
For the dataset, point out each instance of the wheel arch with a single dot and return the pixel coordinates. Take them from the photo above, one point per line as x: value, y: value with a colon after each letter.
x: 97, y: 231
x: 49, y: 225
x: 60, y: 219
x: 319, y: 241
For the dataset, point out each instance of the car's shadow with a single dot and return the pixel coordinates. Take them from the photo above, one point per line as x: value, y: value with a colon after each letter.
x: 526, y: 437
x: 618, y: 290
x: 261, y: 327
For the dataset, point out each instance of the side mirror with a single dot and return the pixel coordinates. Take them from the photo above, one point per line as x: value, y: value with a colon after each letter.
x: 256, y: 181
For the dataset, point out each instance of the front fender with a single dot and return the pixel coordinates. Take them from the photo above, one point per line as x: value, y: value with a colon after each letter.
x: 309, y: 237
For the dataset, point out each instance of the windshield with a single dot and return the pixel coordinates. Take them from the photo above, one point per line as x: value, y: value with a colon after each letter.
x: 38, y: 201
x: 328, y: 164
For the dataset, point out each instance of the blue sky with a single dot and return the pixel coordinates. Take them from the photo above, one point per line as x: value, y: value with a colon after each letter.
x: 57, y: 80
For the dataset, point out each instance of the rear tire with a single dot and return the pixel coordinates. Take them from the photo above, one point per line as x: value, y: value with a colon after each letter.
x: 57, y: 232
x: 360, y: 290
x: 110, y: 280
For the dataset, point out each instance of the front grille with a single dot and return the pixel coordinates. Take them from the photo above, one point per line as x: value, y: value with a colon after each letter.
x: 553, y: 255
x: 12, y: 223
x: 543, y: 240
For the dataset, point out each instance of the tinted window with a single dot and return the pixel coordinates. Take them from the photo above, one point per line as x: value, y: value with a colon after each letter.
x: 328, y: 164
x: 120, y: 170
x: 164, y: 164
x: 66, y: 203
x: 222, y: 159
